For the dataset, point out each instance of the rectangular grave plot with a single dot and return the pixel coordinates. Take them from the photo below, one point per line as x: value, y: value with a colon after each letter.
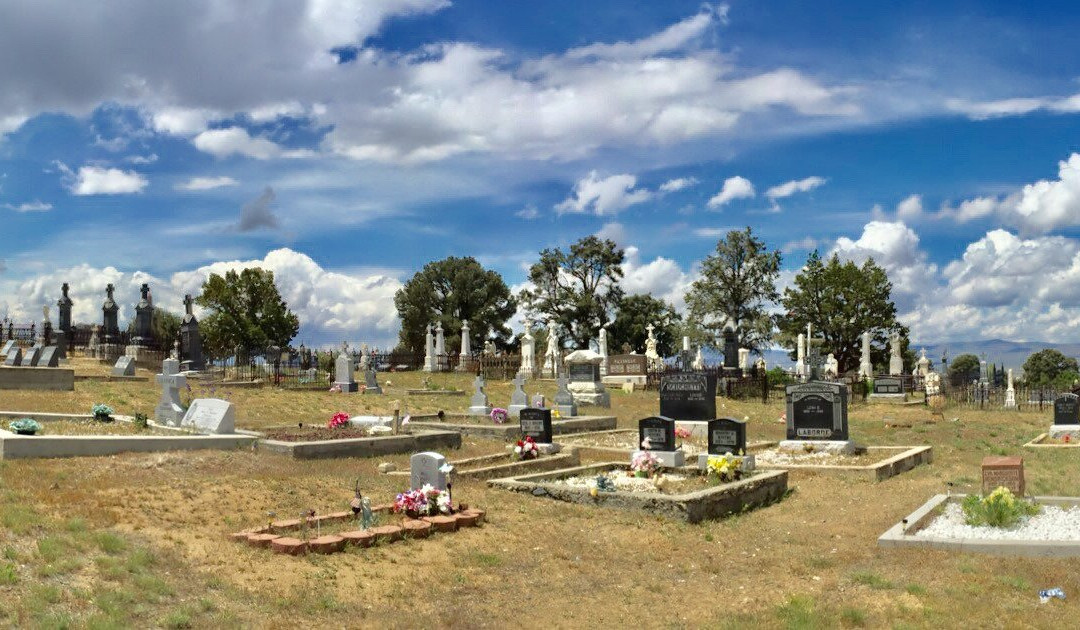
x: 536, y: 423
x: 689, y: 396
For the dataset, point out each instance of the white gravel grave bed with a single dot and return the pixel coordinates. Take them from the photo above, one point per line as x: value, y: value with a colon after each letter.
x: 622, y: 481
x: 627, y: 440
x: 775, y: 457
x: 1051, y: 523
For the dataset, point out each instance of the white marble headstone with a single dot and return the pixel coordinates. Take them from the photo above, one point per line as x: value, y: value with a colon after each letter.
x: 424, y: 469
x: 125, y: 366
x: 210, y: 415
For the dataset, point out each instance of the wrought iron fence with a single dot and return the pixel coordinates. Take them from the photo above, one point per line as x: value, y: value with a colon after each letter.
x: 984, y: 396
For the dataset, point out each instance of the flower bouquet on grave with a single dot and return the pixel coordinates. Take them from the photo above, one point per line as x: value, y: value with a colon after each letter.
x: 25, y: 426
x: 102, y: 412
x: 499, y: 415
x: 425, y: 501
x: 644, y: 464
x: 526, y: 448
x: 726, y: 467
x: 338, y: 420
x: 683, y: 434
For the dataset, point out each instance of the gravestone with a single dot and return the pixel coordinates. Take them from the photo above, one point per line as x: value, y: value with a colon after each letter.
x: 210, y: 415
x: 688, y: 396
x: 371, y: 384
x: 888, y: 386
x: 585, y: 383
x: 110, y: 326
x: 518, y: 398
x: 478, y: 404
x: 125, y: 366
x: 144, y: 317
x: 564, y: 399
x: 31, y: 357
x: 424, y: 470
x: 660, y: 433
x: 584, y: 372
x: 168, y: 410
x: 627, y: 365
x: 817, y: 411
x: 49, y: 357
x: 191, y: 338
x: 343, y: 370
x: 14, y: 357
x: 726, y: 435
x: 536, y: 423
x: 731, y: 349
x: 8, y: 345
x: 1003, y: 471
x: 538, y: 401
x: 1067, y: 409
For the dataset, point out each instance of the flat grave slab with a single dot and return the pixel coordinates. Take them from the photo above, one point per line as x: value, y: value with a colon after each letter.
x: 710, y: 502
x: 878, y: 463
x: 369, y: 446
x: 480, y: 426
x: 912, y: 532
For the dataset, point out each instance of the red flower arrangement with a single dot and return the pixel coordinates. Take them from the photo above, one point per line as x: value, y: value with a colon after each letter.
x: 339, y: 419
x: 526, y: 448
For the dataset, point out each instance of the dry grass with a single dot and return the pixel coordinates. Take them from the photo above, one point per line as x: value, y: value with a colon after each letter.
x: 140, y: 540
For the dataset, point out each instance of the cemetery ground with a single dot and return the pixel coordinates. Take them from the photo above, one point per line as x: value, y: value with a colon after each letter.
x: 143, y: 539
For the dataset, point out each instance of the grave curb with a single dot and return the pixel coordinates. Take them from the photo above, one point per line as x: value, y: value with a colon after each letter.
x: 1037, y: 442
x: 362, y: 447
x: 900, y: 537
x: 37, y: 378
x: 565, y: 459
x: 606, y: 451
x: 511, y: 431
x: 909, y: 458
x: 762, y: 489
x: 13, y: 446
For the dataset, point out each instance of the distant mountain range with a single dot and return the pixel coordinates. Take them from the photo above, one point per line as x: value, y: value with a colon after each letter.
x: 1011, y: 354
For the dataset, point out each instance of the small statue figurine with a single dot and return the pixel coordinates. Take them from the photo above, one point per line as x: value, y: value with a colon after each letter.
x: 367, y: 518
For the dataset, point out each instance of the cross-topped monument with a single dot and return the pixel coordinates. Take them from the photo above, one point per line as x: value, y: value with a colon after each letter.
x: 564, y: 400
x: 813, y: 358
x: 518, y: 399
x: 168, y: 410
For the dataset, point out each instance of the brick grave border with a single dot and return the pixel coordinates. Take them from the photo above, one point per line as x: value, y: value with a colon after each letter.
x: 901, y: 535
x: 510, y: 431
x: 761, y: 489
x: 272, y: 535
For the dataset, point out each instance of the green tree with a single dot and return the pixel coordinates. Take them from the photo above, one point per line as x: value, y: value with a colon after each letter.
x: 737, y: 285
x: 578, y: 288
x: 964, y: 369
x: 634, y: 313
x: 841, y: 300
x: 247, y: 313
x: 164, y: 325
x: 1050, y: 367
x: 451, y: 291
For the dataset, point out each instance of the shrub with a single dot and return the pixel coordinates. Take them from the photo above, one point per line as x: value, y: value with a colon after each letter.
x: 142, y: 421
x: 1000, y: 508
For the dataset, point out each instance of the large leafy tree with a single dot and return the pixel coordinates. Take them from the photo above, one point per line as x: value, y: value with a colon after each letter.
x: 451, y: 291
x: 964, y: 369
x: 1050, y: 367
x: 164, y: 325
x: 841, y: 300
x: 578, y: 288
x: 247, y: 313
x: 634, y: 314
x: 737, y: 285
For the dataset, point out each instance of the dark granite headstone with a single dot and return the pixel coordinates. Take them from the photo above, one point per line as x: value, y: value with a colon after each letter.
x: 817, y: 411
x: 584, y: 372
x: 659, y: 430
x: 688, y: 396
x: 1067, y: 409
x: 888, y: 385
x: 627, y: 365
x: 731, y: 349
x: 536, y: 423
x: 727, y: 435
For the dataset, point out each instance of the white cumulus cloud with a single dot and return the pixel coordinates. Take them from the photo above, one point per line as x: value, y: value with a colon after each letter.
x: 206, y: 183
x: 736, y: 187
x: 100, y: 180
x: 788, y: 189
x: 603, y: 196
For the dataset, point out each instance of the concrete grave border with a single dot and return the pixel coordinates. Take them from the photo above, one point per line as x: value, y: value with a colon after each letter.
x: 605, y: 451
x: 1037, y: 442
x: 906, y: 459
x: 14, y: 446
x: 719, y: 501
x: 499, y: 465
x: 901, y: 535
x: 360, y: 447
x: 510, y: 431
x: 37, y: 378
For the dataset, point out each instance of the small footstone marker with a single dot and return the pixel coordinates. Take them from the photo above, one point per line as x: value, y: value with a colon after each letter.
x: 1003, y: 471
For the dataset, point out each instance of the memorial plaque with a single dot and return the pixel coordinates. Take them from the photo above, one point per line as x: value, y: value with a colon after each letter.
x: 536, y: 423
x: 659, y: 430
x: 125, y: 366
x: 1067, y: 409
x: 888, y: 386
x: 424, y: 469
x: 627, y: 365
x: 688, y: 396
x: 727, y: 435
x: 584, y: 372
x: 210, y: 415
x: 1005, y: 472
x: 817, y: 411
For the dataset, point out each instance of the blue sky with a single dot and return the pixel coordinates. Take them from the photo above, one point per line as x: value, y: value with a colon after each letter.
x: 345, y: 143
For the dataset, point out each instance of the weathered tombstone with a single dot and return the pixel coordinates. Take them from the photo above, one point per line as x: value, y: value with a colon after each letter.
x: 31, y: 358
x: 14, y: 357
x: 817, y: 411
x: 518, y: 398
x: 478, y: 404
x: 726, y: 435
x: 125, y: 366
x: 191, y: 338
x: 1067, y: 409
x: 536, y: 423
x: 564, y: 399
x: 168, y: 410
x: 425, y: 469
x: 538, y: 401
x: 627, y: 365
x: 659, y: 434
x: 731, y: 349
x: 210, y: 415
x: 371, y: 384
x: 688, y: 396
x: 585, y: 381
x: 8, y: 345
x: 888, y: 387
x: 584, y: 372
x: 49, y: 358
x: 343, y: 370
x: 1005, y: 472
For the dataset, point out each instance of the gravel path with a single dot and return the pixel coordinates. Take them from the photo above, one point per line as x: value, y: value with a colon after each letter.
x: 1052, y: 523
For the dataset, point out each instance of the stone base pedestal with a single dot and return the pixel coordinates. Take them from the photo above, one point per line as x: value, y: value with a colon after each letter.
x: 549, y: 449
x: 889, y: 398
x: 590, y: 394
x: 1058, y: 431
x: 638, y: 379
x: 348, y: 388
x: 479, y: 410
x: 169, y: 415
x: 748, y: 462
x: 833, y: 447
x: 515, y: 410
x: 668, y: 459
x: 1010, y: 399
x: 110, y: 352
x: 566, y: 411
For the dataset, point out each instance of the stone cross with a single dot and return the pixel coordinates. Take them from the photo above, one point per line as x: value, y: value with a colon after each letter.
x: 813, y: 359
x: 188, y: 302
x: 109, y: 290
x: 650, y: 328
x: 168, y: 410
